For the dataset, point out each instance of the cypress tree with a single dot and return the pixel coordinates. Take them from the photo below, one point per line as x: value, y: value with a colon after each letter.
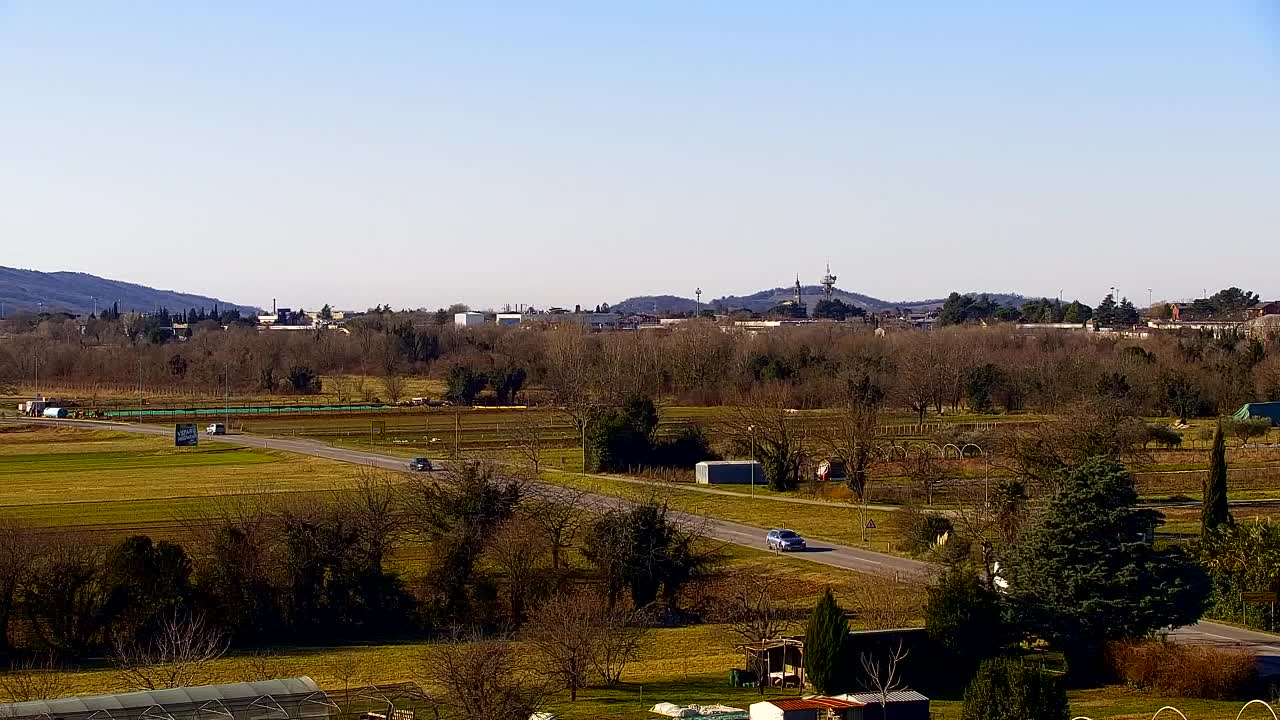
x: 824, y: 645
x: 1213, y: 511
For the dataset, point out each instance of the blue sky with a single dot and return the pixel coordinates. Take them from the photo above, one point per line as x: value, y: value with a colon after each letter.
x: 582, y: 152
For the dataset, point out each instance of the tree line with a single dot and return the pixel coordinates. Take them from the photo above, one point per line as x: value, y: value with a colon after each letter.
x: 488, y: 554
x: 977, y: 369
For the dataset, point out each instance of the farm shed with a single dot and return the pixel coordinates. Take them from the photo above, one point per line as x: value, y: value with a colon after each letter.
x: 728, y: 472
x: 1268, y: 410
x: 811, y: 708
x: 901, y: 705
x: 290, y: 699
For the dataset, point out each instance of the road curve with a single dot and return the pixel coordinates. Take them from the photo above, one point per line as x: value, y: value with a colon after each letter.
x: 1265, y: 645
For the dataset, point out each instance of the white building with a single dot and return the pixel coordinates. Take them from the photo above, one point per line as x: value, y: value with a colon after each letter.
x: 468, y: 319
x: 510, y: 319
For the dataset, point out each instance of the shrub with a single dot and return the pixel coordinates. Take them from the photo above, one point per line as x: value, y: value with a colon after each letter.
x: 1011, y: 690
x: 919, y: 530
x: 1188, y: 671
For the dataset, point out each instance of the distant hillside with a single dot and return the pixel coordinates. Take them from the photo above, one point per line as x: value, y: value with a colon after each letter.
x: 74, y: 292
x: 765, y: 299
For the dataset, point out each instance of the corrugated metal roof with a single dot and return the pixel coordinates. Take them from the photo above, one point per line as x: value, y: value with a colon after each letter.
x: 874, y: 698
x: 245, y: 692
x: 813, y: 703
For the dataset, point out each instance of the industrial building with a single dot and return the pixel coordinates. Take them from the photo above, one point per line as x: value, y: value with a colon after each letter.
x: 289, y: 699
x: 510, y: 319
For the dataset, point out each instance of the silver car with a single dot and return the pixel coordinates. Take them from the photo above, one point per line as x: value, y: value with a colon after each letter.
x: 784, y: 541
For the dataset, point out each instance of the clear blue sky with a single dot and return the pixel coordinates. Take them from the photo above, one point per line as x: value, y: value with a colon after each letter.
x: 577, y: 152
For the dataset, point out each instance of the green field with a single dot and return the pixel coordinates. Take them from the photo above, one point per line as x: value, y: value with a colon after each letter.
x: 104, y: 480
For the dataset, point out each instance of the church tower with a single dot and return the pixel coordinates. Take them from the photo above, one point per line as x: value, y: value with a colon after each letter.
x: 797, y: 299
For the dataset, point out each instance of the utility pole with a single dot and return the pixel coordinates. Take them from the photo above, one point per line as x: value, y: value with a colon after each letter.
x: 139, y: 389
x: 35, y: 357
x: 584, y: 448
x: 457, y: 437
x: 226, y: 398
x: 751, y: 429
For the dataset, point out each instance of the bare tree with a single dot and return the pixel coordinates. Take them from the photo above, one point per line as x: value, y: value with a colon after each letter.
x: 886, y: 606
x: 34, y: 679
x: 571, y: 376
x: 393, y: 384
x: 567, y: 636
x: 481, y: 679
x: 624, y: 636
x: 519, y: 549
x: 529, y: 439
x: 18, y: 548
x: 928, y: 473
x: 351, y: 672
x: 851, y: 437
x: 268, y: 665
x: 580, y: 639
x: 342, y: 386
x: 765, y: 419
x: 753, y: 615
x: 559, y: 512
x: 884, y: 675
x: 179, y: 654
x: 375, y: 508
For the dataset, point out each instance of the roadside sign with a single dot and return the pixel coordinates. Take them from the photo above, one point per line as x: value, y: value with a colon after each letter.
x: 185, y: 435
x: 1257, y: 597
x: 871, y: 524
x: 377, y: 430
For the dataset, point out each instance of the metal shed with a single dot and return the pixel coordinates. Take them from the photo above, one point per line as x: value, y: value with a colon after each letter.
x: 289, y: 699
x: 729, y: 472
x: 1268, y: 410
x: 900, y: 705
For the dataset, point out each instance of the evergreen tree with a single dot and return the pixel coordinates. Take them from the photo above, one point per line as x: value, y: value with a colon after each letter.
x: 1106, y: 312
x: 1010, y: 690
x: 1214, y: 511
x: 1086, y: 572
x: 825, y: 639
x: 966, y: 620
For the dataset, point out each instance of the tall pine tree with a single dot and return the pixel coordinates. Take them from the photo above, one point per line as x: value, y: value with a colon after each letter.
x: 1085, y: 572
x: 1213, y: 511
x: 824, y: 646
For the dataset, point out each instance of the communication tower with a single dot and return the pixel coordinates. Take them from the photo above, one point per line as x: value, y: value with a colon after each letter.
x: 828, y: 283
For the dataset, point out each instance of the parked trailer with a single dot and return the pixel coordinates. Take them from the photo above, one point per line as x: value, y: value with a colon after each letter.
x: 728, y: 472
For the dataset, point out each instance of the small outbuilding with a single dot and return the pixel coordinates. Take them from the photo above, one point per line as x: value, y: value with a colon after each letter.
x: 900, y: 705
x: 810, y: 708
x: 729, y: 472
x: 1268, y: 410
x: 468, y: 319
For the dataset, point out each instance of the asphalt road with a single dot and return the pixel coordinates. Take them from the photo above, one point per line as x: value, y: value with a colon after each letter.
x: 1266, y: 646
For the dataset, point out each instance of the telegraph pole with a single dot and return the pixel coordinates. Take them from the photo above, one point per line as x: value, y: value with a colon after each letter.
x: 139, y: 389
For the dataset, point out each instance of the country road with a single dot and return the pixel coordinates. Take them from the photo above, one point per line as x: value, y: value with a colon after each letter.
x: 1266, y: 646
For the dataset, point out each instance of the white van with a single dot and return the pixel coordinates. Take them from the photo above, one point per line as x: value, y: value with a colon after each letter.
x: 216, y: 429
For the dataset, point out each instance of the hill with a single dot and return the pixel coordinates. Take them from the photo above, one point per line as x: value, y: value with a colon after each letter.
x: 74, y: 292
x: 765, y: 299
